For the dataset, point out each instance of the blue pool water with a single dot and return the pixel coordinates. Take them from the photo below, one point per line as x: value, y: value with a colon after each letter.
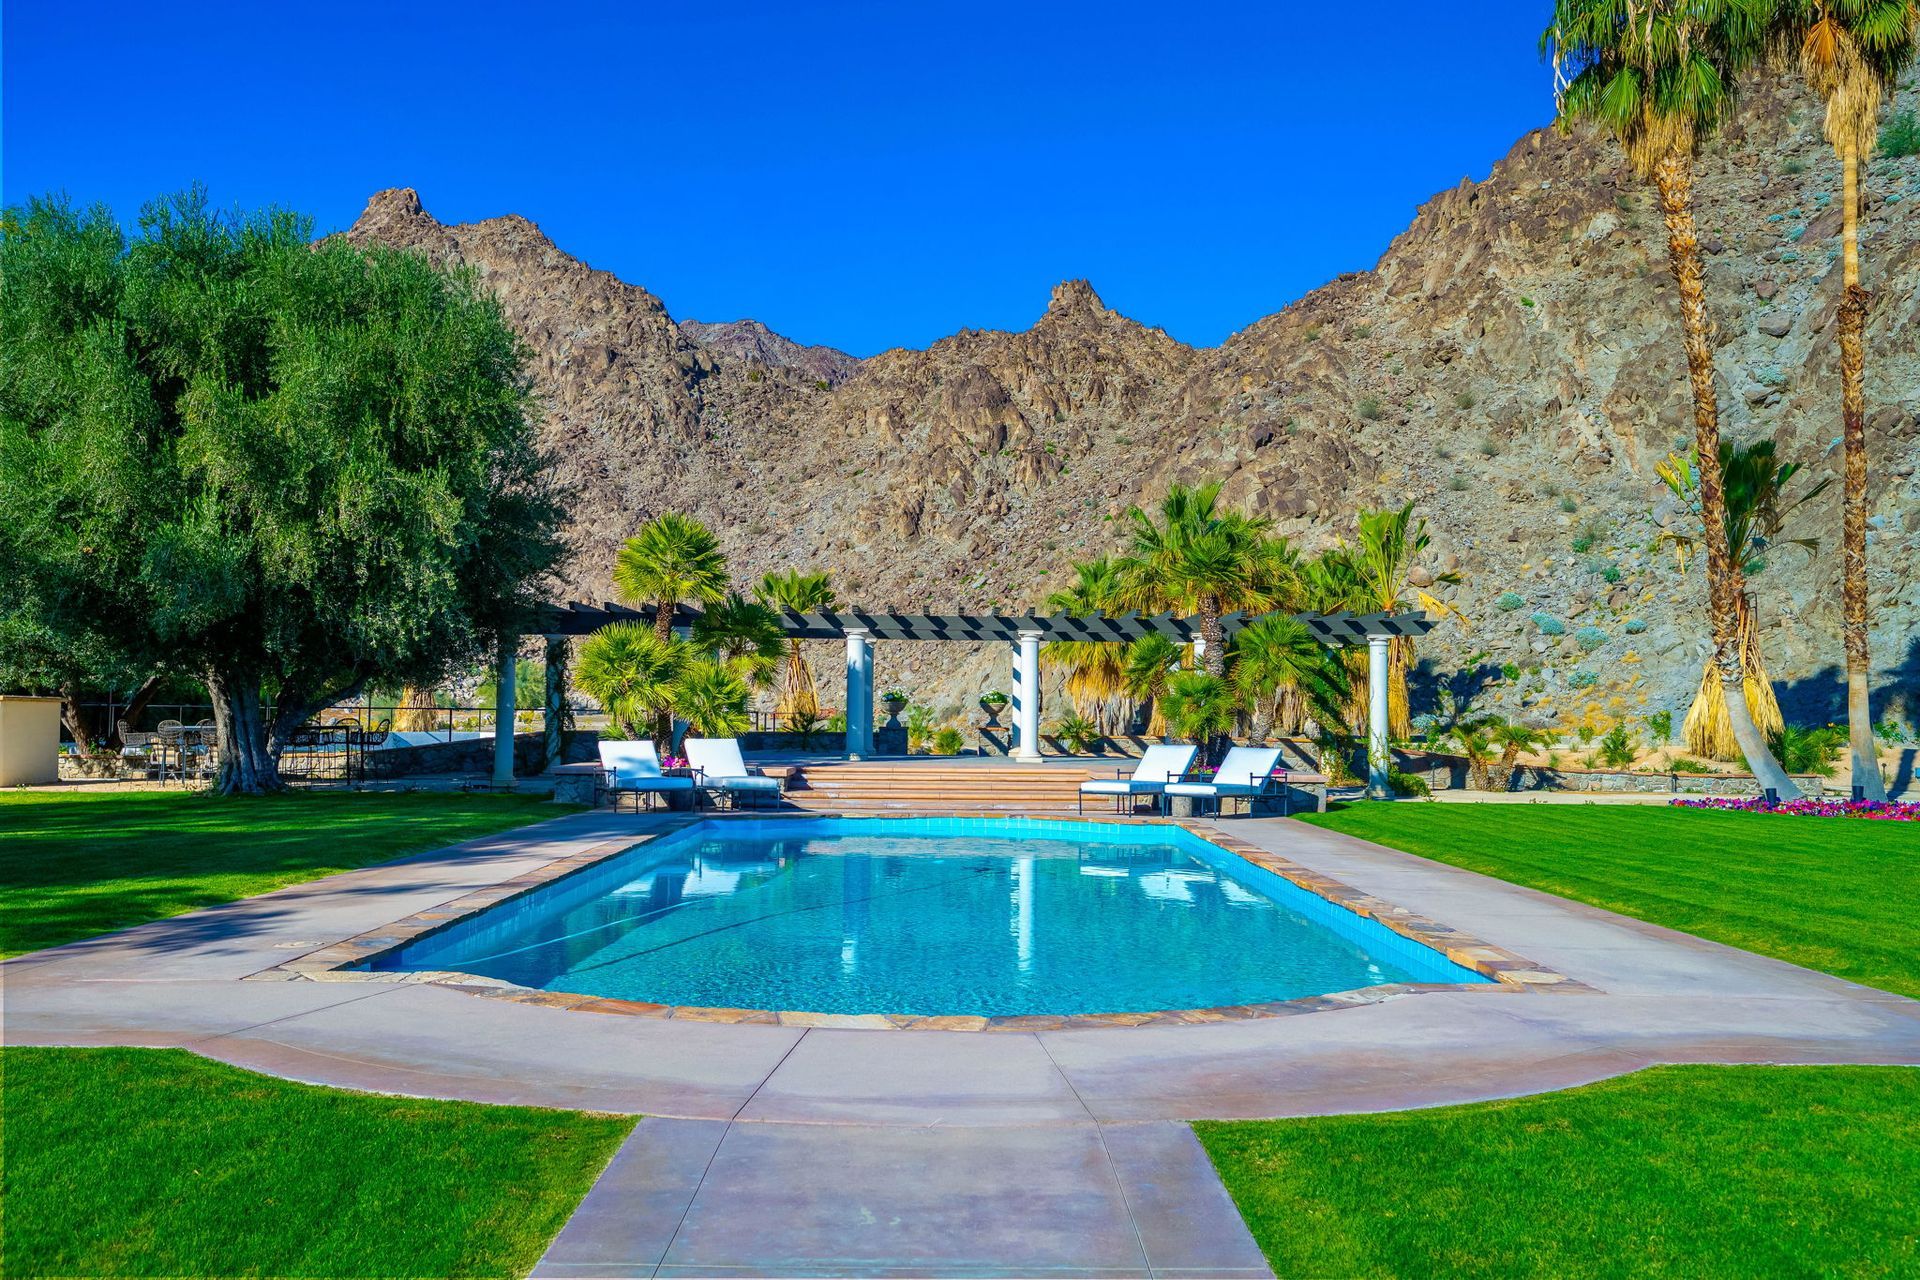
x: 929, y: 916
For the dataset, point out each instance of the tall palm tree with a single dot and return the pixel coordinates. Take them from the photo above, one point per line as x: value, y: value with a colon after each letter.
x: 1200, y: 560
x: 1757, y: 513
x: 1330, y: 583
x: 1387, y: 546
x: 1096, y: 669
x: 798, y: 592
x: 673, y: 558
x: 633, y: 673
x: 1851, y: 51
x: 1659, y: 75
x: 744, y: 636
x: 1282, y: 674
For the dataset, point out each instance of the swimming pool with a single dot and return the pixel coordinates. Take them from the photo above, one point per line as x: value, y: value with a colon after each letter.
x: 929, y: 916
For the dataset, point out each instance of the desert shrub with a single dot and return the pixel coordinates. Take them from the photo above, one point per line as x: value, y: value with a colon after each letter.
x: 947, y: 742
x: 1489, y: 447
x: 1660, y: 725
x: 1616, y: 749
x: 1363, y: 331
x: 1548, y: 624
x: 1369, y: 408
x: 919, y: 722
x: 1464, y: 400
x: 1509, y: 601
x: 1582, y: 543
x: 1809, y: 750
x: 1794, y: 167
x: 1634, y: 626
x: 1509, y: 671
x: 1408, y: 784
x: 1568, y: 505
x: 1901, y: 136
x: 1590, y: 638
x: 1459, y: 484
x: 1687, y: 764
x: 1583, y: 679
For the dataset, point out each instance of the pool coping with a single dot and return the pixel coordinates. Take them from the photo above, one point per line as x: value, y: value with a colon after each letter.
x: 345, y: 960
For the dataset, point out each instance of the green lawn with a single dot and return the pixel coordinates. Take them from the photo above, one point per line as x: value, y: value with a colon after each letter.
x: 152, y: 1162
x: 73, y: 864
x: 1834, y: 894
x: 1675, y: 1171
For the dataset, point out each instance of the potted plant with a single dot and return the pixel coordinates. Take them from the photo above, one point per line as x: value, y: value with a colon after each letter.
x: 993, y: 702
x: 895, y: 701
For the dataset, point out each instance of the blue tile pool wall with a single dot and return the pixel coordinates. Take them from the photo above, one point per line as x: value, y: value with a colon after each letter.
x: 509, y: 922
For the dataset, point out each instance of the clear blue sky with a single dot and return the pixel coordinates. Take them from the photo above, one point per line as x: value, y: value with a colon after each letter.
x: 862, y: 175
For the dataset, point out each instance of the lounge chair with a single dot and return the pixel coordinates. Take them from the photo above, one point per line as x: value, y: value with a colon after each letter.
x: 633, y: 768
x: 717, y: 764
x: 1158, y: 766
x: 1246, y: 774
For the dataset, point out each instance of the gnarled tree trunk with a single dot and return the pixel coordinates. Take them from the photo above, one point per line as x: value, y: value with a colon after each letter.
x: 1673, y: 175
x: 249, y: 761
x: 1853, y: 507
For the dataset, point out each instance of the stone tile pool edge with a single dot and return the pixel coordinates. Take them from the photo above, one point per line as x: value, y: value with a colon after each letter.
x: 343, y: 961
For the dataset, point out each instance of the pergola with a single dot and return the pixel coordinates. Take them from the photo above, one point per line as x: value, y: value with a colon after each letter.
x: 1024, y: 633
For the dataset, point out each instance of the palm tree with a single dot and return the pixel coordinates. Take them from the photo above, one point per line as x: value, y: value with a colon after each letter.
x: 1096, y: 669
x: 797, y: 592
x: 633, y: 673
x: 1200, y: 560
x: 1851, y: 51
x: 1477, y: 743
x: 1148, y: 662
x: 673, y: 558
x: 1659, y: 75
x: 1200, y: 708
x: 712, y: 698
x: 1513, y: 738
x: 1329, y: 583
x: 1282, y: 674
x: 745, y: 636
x: 1388, y: 546
x: 1756, y: 516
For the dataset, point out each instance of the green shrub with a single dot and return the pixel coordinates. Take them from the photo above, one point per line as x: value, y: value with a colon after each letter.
x: 1489, y: 447
x: 1804, y: 750
x: 1509, y: 601
x: 1583, y: 679
x: 1568, y: 505
x: 1582, y: 543
x: 1590, y: 638
x: 1901, y: 137
x: 1687, y: 764
x: 947, y: 742
x: 1616, y: 749
x: 1548, y: 624
x: 1509, y: 671
x: 1459, y: 484
x: 1369, y: 408
x: 1634, y: 626
x: 1408, y: 785
x: 1363, y: 331
x: 1077, y: 734
x: 1660, y: 725
x: 1793, y: 168
x: 1464, y: 400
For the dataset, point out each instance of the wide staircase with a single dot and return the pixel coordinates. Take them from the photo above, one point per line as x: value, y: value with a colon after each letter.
x: 889, y: 787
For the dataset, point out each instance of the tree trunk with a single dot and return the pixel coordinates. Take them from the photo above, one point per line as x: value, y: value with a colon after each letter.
x: 248, y: 764
x: 83, y: 733
x: 1214, y: 661
x: 663, y: 619
x: 1674, y: 177
x: 1853, y: 507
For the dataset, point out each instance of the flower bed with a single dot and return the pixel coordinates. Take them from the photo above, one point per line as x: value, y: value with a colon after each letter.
x: 1813, y: 807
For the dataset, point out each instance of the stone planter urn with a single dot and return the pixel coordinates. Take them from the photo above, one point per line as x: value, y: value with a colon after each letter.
x: 894, y: 705
x: 993, y: 707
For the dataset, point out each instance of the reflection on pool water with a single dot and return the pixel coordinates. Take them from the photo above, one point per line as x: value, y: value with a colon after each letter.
x: 929, y: 916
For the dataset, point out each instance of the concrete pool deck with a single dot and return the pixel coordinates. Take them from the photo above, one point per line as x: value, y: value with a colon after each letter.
x: 1045, y: 1153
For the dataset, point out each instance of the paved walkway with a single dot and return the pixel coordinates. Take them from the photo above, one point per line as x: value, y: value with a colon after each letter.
x: 795, y: 1151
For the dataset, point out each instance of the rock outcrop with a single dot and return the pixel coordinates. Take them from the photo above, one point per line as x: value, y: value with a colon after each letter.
x: 1511, y: 365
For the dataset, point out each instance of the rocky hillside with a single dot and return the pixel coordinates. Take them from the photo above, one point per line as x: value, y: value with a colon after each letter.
x: 1511, y: 364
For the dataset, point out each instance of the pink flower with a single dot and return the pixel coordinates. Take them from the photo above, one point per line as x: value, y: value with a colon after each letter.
x: 1811, y: 807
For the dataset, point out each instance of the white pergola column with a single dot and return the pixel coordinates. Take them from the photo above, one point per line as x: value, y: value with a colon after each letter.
x: 1379, y: 754
x: 859, y: 695
x: 504, y: 707
x: 1026, y: 698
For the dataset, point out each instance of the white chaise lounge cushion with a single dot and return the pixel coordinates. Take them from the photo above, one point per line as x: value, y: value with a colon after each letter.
x: 635, y: 766
x: 1243, y: 773
x: 720, y: 765
x: 1158, y: 766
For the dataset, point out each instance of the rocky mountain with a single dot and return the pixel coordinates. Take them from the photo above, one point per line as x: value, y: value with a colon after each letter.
x: 1511, y: 364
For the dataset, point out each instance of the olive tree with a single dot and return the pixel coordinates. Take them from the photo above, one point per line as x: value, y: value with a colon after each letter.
x: 285, y: 467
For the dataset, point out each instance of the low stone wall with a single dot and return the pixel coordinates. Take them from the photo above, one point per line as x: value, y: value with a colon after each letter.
x: 1622, y: 781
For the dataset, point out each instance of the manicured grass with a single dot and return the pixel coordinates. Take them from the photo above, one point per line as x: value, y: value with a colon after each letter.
x: 1675, y: 1171
x: 1833, y: 894
x: 73, y: 864
x: 152, y: 1162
